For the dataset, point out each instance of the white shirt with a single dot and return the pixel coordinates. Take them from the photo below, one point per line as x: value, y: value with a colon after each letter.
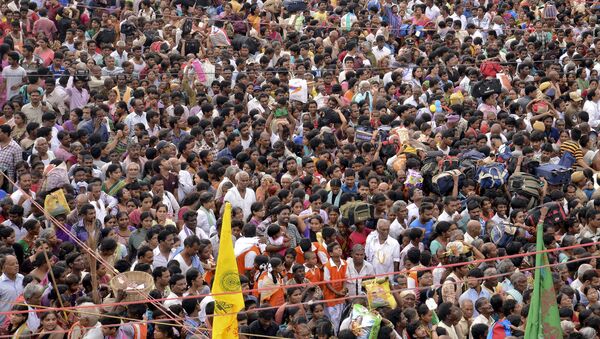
x: 20, y: 232
x: 381, y: 53
x: 133, y: 118
x: 119, y: 59
x: 234, y: 197
x: 354, y: 285
x: 382, y: 256
x: 591, y: 108
x: 447, y: 217
x: 9, y: 291
x: 186, y: 232
x: 432, y: 13
x: 396, y: 229
x: 16, y: 196
x: 174, y: 301
x: 160, y: 260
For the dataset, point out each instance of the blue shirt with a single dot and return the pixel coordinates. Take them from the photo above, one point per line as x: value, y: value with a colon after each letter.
x: 473, y: 295
x: 346, y: 189
x: 428, y: 227
x: 89, y: 128
x: 9, y: 291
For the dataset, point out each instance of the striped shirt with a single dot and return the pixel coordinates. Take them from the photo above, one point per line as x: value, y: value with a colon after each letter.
x: 573, y: 148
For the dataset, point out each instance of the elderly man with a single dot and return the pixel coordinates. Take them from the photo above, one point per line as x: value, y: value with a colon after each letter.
x: 88, y: 326
x: 357, y: 267
x: 240, y: 195
x: 32, y: 293
x: 11, y: 283
x: 383, y: 251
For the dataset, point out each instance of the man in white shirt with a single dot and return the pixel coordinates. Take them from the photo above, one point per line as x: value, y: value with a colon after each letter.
x: 240, y: 195
x: 357, y: 267
x: 381, y: 250
x: 190, y: 226
x: 164, y: 252
x: 178, y: 285
x: 11, y: 284
x: 431, y: 10
x: 380, y: 50
x: 451, y: 206
x: 21, y: 197
x: 485, y: 310
x: 591, y: 107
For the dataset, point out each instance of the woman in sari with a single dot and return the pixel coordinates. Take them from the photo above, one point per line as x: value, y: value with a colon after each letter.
x: 113, y: 182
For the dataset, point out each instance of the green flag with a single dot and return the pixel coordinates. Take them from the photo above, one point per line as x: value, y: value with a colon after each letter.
x: 543, y: 321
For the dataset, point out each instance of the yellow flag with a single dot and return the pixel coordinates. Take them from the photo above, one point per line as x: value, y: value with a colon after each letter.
x: 227, y: 280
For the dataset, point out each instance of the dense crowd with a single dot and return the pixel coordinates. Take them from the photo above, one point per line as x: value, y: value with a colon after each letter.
x: 414, y: 148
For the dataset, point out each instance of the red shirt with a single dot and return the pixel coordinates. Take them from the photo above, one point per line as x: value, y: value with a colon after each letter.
x: 357, y: 237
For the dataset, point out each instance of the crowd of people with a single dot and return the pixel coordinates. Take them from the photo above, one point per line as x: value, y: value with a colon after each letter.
x: 427, y: 144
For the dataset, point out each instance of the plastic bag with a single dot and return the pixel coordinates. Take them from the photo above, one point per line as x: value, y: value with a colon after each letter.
x: 56, y: 203
x: 364, y: 324
x: 379, y: 293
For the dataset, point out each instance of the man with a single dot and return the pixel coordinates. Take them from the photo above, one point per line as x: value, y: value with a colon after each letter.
x: 63, y: 151
x: 592, y: 229
x: 25, y: 195
x: 178, y: 285
x: 11, y: 283
x: 451, y: 207
x: 357, y: 267
x: 190, y: 226
x: 111, y: 69
x: 283, y: 220
x: 447, y: 312
x: 14, y: 75
x: 32, y: 293
x: 475, y: 290
x: 164, y: 252
x: 519, y: 284
x: 119, y: 55
x: 167, y: 198
x: 145, y: 255
x: 381, y: 250
x: 207, y: 221
x: 163, y: 167
x: 425, y: 220
x: 231, y: 143
x: 56, y: 96
x: 453, y: 285
x: 87, y: 221
x: 240, y: 195
x: 315, y: 209
x: 485, y: 311
x: 10, y: 152
x: 188, y: 257
x: 162, y: 276
x: 79, y: 95
x: 35, y: 109
x: 137, y: 116
x: 30, y: 62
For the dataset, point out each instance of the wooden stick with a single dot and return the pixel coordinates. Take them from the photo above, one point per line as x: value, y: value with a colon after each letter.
x: 92, y: 245
x: 55, y: 285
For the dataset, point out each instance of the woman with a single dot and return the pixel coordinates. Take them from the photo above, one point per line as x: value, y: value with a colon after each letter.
x: 263, y: 191
x: 257, y: 211
x: 44, y: 51
x: 32, y: 227
x: 49, y: 327
x: 20, y: 126
x: 18, y: 323
x: 74, y: 120
x: 113, y: 182
x: 205, y: 252
x: 162, y: 216
x: 293, y: 300
x: 126, y: 204
x: 124, y: 229
x: 188, y: 178
x: 441, y: 236
x: 145, y: 206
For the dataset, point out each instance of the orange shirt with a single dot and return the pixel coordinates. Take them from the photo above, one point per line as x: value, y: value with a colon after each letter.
x: 314, y: 275
x: 275, y: 296
x: 331, y: 273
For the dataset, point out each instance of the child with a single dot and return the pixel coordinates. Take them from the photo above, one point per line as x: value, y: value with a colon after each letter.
x: 206, y: 259
x: 313, y: 273
x: 272, y: 279
x: 315, y: 247
x: 334, y: 273
x: 288, y: 262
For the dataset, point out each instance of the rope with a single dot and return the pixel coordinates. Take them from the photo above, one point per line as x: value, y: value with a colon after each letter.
x: 366, y: 277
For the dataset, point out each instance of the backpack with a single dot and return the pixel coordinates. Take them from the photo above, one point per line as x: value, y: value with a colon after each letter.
x: 356, y: 211
x: 493, y: 175
x: 430, y: 164
x: 443, y: 183
x: 556, y: 216
x: 449, y: 163
x: 567, y: 160
x: 527, y: 186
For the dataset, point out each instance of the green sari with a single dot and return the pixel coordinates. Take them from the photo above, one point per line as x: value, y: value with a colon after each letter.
x: 114, y: 188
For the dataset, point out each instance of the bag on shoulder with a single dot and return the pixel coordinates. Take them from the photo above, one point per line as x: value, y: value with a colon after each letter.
x: 443, y: 183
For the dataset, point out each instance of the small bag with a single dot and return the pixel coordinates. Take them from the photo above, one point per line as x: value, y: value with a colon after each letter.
x: 413, y: 179
x: 493, y: 175
x: 449, y: 163
x: 554, y: 174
